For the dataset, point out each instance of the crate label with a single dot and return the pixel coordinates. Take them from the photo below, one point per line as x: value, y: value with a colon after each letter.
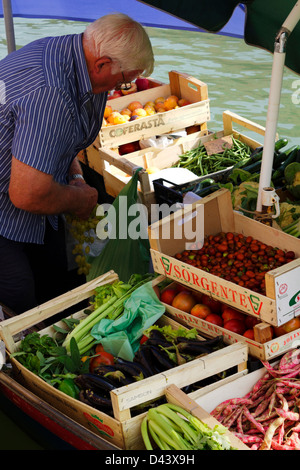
x: 287, y: 289
x: 218, y: 145
x: 196, y: 113
x: 98, y: 425
x: 228, y: 293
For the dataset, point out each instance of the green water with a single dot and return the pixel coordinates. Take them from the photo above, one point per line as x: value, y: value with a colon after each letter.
x: 238, y: 78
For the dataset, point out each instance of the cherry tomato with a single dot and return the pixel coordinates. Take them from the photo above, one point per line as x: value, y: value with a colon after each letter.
x: 102, y: 358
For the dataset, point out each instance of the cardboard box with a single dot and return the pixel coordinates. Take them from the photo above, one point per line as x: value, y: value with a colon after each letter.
x: 120, y: 429
x: 214, y: 214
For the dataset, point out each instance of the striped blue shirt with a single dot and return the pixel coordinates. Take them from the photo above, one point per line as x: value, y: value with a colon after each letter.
x: 48, y: 113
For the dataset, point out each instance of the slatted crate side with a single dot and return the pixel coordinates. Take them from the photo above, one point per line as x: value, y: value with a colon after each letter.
x: 125, y: 398
x: 12, y: 326
x: 219, y: 216
x: 121, y: 429
x: 267, y: 350
x: 97, y: 421
x: 177, y: 397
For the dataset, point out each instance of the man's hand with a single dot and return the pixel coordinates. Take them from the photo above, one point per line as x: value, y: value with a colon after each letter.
x: 37, y: 192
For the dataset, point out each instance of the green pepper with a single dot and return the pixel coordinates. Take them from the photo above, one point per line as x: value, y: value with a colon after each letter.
x: 69, y: 387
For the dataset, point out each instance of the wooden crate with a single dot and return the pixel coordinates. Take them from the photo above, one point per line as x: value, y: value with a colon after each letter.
x: 265, y: 351
x: 116, y: 168
x: 183, y: 86
x: 178, y: 397
x: 121, y: 430
x: 192, y: 117
x: 168, y: 237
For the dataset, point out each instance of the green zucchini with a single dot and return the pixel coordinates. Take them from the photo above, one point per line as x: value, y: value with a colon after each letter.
x: 279, y: 144
x: 279, y: 172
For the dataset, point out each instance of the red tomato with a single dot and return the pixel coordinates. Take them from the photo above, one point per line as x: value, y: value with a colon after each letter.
x: 201, y: 311
x: 184, y: 301
x: 99, y: 348
x: 251, y: 321
x: 215, y: 319
x: 168, y: 294
x: 214, y: 305
x: 230, y: 313
x: 102, y: 358
x: 129, y: 148
x: 249, y: 334
x: 143, y: 339
x: 236, y: 326
x: 287, y: 327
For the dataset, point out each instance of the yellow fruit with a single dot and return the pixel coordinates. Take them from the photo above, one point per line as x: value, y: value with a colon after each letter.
x: 152, y: 169
x: 126, y: 112
x: 108, y: 110
x: 149, y: 103
x: 141, y: 112
x: 149, y: 110
x: 116, y: 118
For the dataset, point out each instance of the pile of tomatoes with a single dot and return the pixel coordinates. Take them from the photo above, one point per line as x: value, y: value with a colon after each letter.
x: 237, y: 258
x: 218, y: 313
x: 205, y: 307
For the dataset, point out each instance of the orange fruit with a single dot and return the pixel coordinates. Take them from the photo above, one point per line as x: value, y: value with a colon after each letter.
x: 171, y: 102
x: 134, y: 105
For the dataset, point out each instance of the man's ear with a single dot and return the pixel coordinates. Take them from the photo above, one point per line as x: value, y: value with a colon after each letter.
x: 100, y: 63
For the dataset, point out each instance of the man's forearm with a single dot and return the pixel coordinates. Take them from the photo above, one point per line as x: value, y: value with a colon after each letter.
x: 37, y: 192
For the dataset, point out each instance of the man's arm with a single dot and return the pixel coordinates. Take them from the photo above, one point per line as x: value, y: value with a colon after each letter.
x: 37, y: 192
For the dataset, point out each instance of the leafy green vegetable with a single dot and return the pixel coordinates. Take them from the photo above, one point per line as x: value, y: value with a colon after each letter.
x: 170, y: 333
x: 44, y: 357
x: 111, y: 305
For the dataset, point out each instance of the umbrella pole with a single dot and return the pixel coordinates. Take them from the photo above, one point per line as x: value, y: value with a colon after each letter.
x: 274, y: 103
x: 9, y: 26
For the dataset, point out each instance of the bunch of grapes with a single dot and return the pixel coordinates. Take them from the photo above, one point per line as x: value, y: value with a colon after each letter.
x: 83, y: 232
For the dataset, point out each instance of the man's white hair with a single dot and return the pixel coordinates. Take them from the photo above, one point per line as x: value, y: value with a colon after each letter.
x: 122, y: 39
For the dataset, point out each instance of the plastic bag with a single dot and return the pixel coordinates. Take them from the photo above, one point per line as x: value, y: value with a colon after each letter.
x: 125, y: 253
x: 121, y: 337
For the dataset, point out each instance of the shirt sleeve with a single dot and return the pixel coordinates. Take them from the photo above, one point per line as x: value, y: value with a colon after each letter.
x: 43, y: 129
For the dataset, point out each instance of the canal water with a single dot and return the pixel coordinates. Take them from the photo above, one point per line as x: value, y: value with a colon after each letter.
x: 238, y: 78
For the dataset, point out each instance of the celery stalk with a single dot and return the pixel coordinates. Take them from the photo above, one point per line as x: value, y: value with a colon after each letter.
x: 159, y: 442
x: 145, y: 435
x: 182, y: 423
x: 87, y: 323
x: 164, y: 427
x: 165, y: 435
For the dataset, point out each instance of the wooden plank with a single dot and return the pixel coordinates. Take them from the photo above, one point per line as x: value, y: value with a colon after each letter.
x: 230, y: 117
x: 176, y: 396
x: 46, y: 310
x: 153, y: 387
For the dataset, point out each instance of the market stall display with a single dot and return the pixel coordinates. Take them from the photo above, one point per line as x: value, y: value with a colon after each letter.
x: 272, y: 306
x: 112, y: 415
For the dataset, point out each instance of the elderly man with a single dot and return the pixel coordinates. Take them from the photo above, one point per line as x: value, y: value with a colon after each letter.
x: 53, y: 96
